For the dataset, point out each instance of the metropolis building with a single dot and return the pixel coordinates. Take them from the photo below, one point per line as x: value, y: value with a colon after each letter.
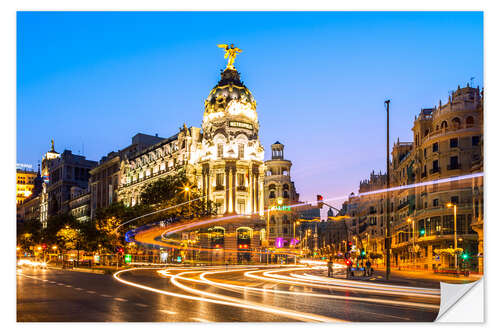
x: 224, y: 158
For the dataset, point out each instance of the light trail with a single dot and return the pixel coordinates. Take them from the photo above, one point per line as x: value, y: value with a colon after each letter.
x: 267, y: 308
x: 348, y: 298
x: 376, y: 289
x: 236, y: 303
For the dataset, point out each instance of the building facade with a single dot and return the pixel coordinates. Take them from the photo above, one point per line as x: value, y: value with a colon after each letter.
x: 61, y: 172
x: 25, y: 184
x: 105, y: 178
x: 224, y: 158
x: 279, y: 197
x: 447, y: 143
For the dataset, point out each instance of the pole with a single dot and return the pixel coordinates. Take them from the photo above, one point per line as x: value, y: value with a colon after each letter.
x: 414, y: 253
x: 455, y: 232
x: 387, y: 222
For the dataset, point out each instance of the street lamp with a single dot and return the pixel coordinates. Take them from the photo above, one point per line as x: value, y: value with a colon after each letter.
x: 450, y: 205
x: 413, y: 238
x: 188, y: 191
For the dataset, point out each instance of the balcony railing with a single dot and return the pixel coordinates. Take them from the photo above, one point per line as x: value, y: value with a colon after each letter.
x: 453, y: 166
x: 436, y: 170
x: 219, y: 188
x: 241, y: 188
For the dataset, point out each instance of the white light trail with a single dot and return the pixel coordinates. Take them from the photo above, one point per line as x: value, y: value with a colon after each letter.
x: 239, y: 303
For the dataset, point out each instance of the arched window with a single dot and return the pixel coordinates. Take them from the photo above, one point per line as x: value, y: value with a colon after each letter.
x: 285, y: 187
x: 285, y: 194
x: 272, y: 195
x: 456, y: 122
x: 444, y: 124
x: 272, y: 187
x: 469, y: 121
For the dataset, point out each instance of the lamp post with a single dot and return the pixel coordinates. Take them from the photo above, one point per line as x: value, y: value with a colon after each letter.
x: 387, y: 222
x: 188, y: 191
x: 449, y: 205
x: 413, y: 239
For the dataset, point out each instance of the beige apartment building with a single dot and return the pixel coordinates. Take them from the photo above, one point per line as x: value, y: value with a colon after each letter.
x: 440, y: 168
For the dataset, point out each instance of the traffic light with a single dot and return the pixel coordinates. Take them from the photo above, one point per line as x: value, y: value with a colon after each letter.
x: 349, y: 246
x: 363, y: 253
x: 465, y: 256
x: 119, y: 249
x: 319, y: 199
x: 44, y: 246
x: 422, y: 232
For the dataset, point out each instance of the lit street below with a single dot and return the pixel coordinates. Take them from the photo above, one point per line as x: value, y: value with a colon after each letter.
x: 216, y: 294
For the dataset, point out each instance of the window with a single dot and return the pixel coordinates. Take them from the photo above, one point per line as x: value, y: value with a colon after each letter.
x: 219, y: 179
x: 469, y: 121
x: 454, y: 163
x: 241, y: 179
x: 285, y: 194
x: 435, y: 202
x: 435, y: 147
x: 241, y: 206
x: 435, y: 166
x: 454, y: 199
x: 241, y: 150
x: 220, y: 150
x: 272, y: 195
x: 475, y: 140
x: 454, y: 143
x: 425, y: 152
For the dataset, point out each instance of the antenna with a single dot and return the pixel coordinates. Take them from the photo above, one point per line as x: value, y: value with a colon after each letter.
x: 472, y: 81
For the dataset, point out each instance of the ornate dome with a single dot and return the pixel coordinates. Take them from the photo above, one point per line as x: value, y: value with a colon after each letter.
x: 230, y: 97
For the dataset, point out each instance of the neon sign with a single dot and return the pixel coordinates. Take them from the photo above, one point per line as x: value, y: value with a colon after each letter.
x: 281, y: 208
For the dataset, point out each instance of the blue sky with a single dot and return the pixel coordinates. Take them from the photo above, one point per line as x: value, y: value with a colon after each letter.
x: 92, y: 80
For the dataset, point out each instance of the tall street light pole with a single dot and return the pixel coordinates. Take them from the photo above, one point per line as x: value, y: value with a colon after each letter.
x: 449, y: 205
x: 387, y: 222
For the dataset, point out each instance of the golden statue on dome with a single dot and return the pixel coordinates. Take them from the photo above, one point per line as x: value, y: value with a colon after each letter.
x: 231, y: 53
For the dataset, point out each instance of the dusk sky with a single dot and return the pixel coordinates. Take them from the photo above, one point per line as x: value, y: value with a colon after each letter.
x: 92, y: 80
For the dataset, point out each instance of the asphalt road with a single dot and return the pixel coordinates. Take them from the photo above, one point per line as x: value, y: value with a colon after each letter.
x: 238, y: 294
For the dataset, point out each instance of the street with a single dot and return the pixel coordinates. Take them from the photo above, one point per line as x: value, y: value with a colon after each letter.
x: 216, y: 294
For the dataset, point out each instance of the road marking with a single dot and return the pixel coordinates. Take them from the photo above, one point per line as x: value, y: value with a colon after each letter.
x: 79, y: 289
x: 168, y: 312
x: 104, y: 295
x: 60, y: 284
x: 142, y: 305
x: 120, y: 299
x: 201, y: 320
x: 68, y: 286
x: 90, y: 292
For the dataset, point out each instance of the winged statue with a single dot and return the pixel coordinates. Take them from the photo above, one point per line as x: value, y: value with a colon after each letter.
x: 231, y: 53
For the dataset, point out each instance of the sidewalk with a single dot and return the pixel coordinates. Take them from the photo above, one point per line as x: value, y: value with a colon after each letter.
x: 94, y: 270
x: 422, y: 279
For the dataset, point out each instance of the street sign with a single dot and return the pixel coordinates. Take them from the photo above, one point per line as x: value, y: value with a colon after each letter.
x: 128, y: 258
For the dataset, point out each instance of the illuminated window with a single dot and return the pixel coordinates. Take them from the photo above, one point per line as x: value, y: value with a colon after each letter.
x: 219, y: 179
x: 220, y: 150
x: 241, y: 150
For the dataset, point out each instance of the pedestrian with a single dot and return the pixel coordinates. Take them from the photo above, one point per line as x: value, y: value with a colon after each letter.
x: 330, y: 267
x: 369, y: 267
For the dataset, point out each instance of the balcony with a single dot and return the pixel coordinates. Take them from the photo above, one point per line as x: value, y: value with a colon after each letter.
x: 436, y: 170
x: 219, y: 188
x: 241, y: 188
x: 454, y: 167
